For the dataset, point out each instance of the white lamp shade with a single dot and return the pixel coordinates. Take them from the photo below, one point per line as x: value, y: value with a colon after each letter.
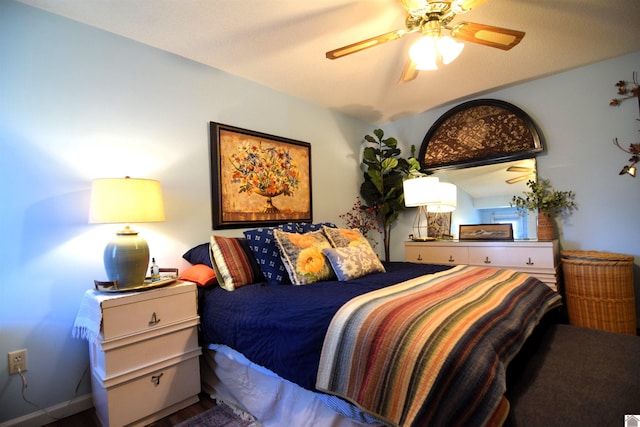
x: 420, y: 191
x: 126, y: 200
x: 447, y: 199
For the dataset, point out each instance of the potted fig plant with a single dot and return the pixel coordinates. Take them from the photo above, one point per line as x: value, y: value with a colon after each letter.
x: 382, y: 189
x: 548, y: 203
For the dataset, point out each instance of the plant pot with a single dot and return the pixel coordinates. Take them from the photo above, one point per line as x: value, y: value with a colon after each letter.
x: 546, y: 227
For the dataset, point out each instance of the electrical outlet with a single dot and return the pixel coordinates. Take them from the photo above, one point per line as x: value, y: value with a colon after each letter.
x: 17, y: 360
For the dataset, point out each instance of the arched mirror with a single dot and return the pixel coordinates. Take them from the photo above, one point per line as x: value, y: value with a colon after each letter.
x: 487, y: 148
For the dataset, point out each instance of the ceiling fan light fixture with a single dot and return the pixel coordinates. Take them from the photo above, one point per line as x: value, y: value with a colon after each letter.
x: 449, y: 49
x: 424, y: 53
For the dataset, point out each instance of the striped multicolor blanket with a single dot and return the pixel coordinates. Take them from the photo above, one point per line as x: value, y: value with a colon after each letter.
x: 432, y: 351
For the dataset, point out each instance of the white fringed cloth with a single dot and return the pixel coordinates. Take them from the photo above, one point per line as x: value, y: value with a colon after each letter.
x: 89, y: 317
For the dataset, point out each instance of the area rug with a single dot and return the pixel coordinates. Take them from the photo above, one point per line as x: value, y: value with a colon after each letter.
x: 221, y: 415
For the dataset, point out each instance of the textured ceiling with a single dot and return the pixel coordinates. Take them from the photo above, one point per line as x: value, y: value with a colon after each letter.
x: 282, y: 43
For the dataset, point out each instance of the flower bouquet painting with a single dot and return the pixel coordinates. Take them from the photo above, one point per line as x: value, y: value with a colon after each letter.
x: 258, y: 179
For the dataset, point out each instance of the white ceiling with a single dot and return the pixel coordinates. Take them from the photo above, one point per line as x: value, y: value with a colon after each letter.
x: 282, y: 43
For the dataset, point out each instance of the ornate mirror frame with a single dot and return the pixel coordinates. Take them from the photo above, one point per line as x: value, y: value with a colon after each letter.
x: 479, y: 132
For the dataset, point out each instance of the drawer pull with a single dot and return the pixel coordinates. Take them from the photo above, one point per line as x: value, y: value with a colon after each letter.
x: 156, y: 379
x: 486, y: 260
x: 419, y: 257
x: 530, y: 262
x: 154, y: 320
x: 451, y: 258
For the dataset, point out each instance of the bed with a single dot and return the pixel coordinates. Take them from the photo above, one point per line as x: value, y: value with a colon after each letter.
x: 401, y: 344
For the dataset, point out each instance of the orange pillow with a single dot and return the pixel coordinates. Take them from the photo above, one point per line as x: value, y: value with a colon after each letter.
x: 200, y: 274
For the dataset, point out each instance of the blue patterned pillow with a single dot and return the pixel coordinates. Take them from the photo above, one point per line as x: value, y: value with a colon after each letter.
x: 265, y: 250
x: 305, y: 227
x: 351, y: 262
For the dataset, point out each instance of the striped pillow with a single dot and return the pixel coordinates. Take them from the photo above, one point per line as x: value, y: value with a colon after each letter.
x: 232, y: 262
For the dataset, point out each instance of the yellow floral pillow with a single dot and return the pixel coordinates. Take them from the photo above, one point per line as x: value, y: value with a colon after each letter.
x: 343, y: 237
x: 302, y: 256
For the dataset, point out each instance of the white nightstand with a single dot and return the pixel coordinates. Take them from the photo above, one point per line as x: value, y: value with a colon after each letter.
x: 145, y: 361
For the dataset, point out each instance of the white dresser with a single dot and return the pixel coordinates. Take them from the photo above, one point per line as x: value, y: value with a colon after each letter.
x: 145, y: 363
x: 541, y: 259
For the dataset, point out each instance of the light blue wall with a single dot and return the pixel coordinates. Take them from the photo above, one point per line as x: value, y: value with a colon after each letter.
x: 77, y: 103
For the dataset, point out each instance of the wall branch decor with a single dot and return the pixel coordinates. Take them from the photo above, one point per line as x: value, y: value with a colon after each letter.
x: 628, y: 90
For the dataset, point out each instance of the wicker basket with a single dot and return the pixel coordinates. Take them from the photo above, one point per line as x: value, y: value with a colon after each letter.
x: 599, y: 290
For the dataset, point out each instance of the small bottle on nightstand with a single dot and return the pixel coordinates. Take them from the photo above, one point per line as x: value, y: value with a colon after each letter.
x: 154, y: 270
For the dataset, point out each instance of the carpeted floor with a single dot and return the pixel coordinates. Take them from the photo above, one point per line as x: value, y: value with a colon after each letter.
x: 220, y: 415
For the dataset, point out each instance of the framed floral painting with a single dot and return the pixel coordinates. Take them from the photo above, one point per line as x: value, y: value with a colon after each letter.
x: 258, y: 179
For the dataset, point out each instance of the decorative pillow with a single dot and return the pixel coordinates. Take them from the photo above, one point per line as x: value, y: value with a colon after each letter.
x: 232, y: 262
x: 351, y: 262
x: 302, y: 256
x: 267, y: 254
x: 343, y: 237
x: 305, y: 227
x: 199, y: 255
x: 200, y: 274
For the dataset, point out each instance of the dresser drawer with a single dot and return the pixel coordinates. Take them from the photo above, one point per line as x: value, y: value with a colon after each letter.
x: 490, y: 257
x: 531, y: 258
x: 118, y: 356
x: 125, y: 400
x: 152, y: 309
x: 447, y: 255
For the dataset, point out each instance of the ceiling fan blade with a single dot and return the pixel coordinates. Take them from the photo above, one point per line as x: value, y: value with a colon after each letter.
x: 487, y: 35
x: 518, y: 169
x: 518, y: 179
x: 410, y: 72
x: 365, y: 44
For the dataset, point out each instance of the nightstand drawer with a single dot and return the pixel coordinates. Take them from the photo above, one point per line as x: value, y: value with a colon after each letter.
x: 152, y: 309
x: 119, y: 356
x: 125, y: 400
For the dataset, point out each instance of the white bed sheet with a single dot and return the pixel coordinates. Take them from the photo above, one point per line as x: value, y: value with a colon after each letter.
x: 230, y: 377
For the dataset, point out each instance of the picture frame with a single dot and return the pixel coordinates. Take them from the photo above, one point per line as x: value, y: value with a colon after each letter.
x: 258, y: 179
x: 477, y: 133
x: 486, y: 232
x: 439, y: 225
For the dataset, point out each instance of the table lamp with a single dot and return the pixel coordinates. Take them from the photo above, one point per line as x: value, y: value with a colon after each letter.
x: 421, y: 192
x: 126, y: 200
x: 447, y: 200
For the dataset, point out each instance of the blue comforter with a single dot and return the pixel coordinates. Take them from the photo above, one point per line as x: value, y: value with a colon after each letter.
x: 282, y: 327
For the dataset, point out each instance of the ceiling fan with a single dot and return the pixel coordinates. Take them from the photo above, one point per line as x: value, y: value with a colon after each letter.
x: 430, y: 17
x: 529, y: 173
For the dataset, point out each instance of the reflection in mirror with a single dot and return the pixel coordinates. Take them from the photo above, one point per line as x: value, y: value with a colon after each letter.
x: 485, y: 193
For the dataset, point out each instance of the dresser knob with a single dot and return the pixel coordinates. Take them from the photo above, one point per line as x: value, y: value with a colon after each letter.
x: 419, y: 257
x: 156, y: 379
x: 451, y: 258
x: 486, y: 260
x: 529, y: 262
x: 154, y: 320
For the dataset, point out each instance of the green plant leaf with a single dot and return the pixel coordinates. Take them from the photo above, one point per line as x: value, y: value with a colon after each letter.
x: 388, y: 164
